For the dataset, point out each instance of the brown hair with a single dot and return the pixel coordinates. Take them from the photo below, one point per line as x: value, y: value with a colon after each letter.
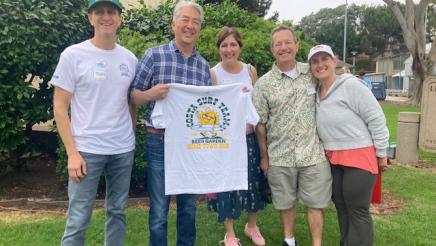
x: 282, y: 28
x: 228, y: 31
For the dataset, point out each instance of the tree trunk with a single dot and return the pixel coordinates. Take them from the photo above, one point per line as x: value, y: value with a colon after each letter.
x: 418, y: 82
x: 412, y: 22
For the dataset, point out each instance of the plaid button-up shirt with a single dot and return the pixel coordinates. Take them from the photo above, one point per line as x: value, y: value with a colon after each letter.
x: 166, y: 64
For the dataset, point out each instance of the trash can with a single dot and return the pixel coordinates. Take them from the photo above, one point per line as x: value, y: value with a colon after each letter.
x: 379, y: 90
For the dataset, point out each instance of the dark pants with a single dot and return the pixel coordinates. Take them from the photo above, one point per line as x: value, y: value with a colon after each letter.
x: 352, y: 190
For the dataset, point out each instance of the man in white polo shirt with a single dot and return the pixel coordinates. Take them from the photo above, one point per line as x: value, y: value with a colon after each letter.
x: 94, y: 77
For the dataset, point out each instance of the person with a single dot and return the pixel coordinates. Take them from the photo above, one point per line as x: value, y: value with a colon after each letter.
x: 94, y: 77
x: 345, y: 69
x: 364, y: 80
x: 229, y: 205
x: 352, y: 127
x: 291, y: 154
x: 176, y: 62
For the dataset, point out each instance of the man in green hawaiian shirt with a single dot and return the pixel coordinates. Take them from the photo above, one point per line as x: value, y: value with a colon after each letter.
x: 292, y: 156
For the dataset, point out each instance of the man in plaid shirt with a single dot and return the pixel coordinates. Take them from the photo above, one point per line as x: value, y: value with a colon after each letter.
x: 176, y: 62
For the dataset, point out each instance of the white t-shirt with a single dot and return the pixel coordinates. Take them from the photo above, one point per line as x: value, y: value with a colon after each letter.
x: 99, y: 82
x: 205, y: 143
x: 291, y: 72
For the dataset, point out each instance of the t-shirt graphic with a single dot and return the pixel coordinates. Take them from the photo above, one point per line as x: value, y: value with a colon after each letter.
x: 205, y: 144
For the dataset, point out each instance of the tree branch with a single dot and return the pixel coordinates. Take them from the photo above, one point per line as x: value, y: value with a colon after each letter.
x: 432, y: 57
x: 420, y: 22
x: 408, y: 33
x: 410, y: 14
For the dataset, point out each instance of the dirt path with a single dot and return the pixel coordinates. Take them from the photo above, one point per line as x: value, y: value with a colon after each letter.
x: 39, y: 189
x: 38, y: 180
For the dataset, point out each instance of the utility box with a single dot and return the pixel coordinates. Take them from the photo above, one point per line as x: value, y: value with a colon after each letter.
x: 427, y: 134
x: 407, y: 137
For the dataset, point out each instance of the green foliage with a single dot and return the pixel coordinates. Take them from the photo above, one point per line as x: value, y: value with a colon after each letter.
x: 257, y: 7
x: 206, y: 45
x: 305, y: 43
x: 227, y: 14
x: 379, y: 28
x: 139, y: 43
x: 153, y: 23
x: 370, y: 29
x: 139, y: 170
x: 62, y: 161
x: 327, y: 26
x: 32, y: 35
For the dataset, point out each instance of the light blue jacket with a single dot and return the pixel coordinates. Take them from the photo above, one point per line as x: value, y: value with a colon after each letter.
x: 349, y: 117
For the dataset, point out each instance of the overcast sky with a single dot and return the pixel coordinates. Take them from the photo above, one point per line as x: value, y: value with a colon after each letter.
x: 296, y: 9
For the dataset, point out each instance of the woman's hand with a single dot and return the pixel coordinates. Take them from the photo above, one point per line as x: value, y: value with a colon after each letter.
x: 382, y: 163
x: 245, y: 89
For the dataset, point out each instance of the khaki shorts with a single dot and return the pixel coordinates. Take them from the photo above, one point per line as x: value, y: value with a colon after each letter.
x: 313, y: 183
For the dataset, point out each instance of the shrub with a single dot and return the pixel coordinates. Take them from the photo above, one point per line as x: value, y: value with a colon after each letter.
x: 32, y: 35
x: 227, y: 13
x: 155, y: 24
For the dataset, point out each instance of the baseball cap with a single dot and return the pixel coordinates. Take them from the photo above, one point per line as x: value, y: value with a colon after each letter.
x: 92, y: 3
x: 320, y: 48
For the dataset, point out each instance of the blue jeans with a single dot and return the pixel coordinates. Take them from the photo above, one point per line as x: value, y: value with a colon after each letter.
x: 117, y: 170
x: 159, y: 202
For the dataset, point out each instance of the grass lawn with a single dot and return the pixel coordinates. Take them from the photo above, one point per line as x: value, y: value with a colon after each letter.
x: 391, y: 111
x: 415, y: 224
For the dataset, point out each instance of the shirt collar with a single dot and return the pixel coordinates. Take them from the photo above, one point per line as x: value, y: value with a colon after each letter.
x: 301, y: 68
x: 173, y: 47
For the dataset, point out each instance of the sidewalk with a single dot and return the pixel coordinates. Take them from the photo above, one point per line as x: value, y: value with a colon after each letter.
x: 396, y: 99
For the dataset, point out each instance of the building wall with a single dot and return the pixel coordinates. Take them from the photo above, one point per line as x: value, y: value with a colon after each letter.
x: 390, y: 66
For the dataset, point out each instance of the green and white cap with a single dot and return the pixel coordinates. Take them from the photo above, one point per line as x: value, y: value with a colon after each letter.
x: 116, y: 3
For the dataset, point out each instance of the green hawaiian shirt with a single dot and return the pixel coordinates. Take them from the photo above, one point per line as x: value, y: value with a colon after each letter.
x: 286, y: 105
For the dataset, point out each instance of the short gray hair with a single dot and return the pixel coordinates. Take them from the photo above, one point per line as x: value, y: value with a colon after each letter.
x: 182, y: 4
x: 282, y: 28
